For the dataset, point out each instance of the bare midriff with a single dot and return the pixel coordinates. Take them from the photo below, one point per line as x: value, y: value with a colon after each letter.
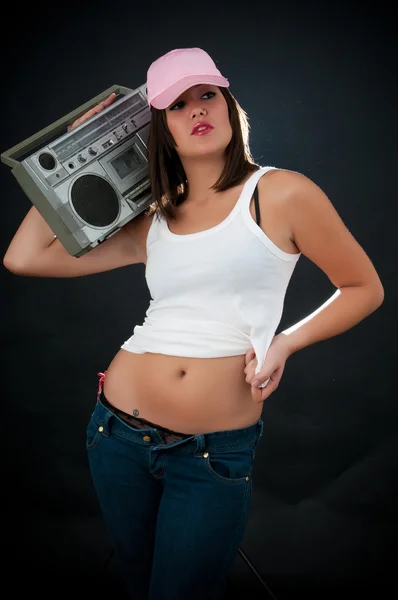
x: 188, y: 395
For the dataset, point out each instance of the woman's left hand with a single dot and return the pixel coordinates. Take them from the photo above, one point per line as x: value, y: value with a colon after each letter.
x: 272, y: 369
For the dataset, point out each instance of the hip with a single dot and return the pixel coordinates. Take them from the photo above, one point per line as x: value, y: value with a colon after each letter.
x: 191, y: 395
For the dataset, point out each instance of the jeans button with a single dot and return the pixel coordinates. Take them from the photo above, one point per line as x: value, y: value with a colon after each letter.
x: 147, y: 438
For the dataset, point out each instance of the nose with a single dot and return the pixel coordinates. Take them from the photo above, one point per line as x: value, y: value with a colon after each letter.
x: 195, y: 112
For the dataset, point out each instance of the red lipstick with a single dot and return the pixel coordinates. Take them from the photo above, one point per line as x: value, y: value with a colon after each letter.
x: 201, y: 128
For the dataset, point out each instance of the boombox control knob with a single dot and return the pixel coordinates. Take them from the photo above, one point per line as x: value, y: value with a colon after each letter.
x: 81, y: 158
x: 92, y: 151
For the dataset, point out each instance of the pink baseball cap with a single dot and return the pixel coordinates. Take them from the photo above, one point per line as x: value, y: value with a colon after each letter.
x: 174, y: 72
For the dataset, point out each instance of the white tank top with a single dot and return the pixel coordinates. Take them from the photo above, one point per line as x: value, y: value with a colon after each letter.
x: 216, y: 292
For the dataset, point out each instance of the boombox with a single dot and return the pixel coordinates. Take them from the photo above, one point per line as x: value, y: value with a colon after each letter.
x: 89, y: 182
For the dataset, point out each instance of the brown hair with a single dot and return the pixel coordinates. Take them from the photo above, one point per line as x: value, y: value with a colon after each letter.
x: 169, y: 185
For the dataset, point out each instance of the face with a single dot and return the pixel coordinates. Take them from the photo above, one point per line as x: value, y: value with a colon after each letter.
x: 200, y: 103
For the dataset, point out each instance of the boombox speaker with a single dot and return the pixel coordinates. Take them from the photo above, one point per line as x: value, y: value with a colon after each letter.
x: 89, y: 182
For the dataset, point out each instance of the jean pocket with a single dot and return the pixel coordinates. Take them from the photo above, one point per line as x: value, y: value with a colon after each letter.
x: 93, y: 434
x: 230, y: 466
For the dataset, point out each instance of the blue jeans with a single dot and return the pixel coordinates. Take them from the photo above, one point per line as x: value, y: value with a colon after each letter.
x: 176, y: 513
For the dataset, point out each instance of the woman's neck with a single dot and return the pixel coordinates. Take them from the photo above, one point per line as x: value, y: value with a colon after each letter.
x: 201, y: 176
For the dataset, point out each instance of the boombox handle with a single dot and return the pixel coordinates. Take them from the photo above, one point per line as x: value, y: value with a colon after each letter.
x: 9, y: 157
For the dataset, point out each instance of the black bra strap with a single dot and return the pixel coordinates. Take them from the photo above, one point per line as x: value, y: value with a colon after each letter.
x: 257, y: 205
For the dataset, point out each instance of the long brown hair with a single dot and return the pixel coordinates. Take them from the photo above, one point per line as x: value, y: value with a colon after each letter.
x: 169, y: 185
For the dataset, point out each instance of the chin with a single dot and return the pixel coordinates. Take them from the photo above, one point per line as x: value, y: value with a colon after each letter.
x: 206, y: 150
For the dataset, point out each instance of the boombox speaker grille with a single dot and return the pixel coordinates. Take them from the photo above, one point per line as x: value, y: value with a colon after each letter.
x: 94, y: 200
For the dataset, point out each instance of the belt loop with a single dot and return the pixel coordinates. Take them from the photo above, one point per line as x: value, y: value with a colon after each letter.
x: 104, y: 422
x: 260, y: 428
x: 200, y: 444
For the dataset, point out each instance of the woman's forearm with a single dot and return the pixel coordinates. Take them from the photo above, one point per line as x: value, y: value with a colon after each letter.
x: 347, y: 307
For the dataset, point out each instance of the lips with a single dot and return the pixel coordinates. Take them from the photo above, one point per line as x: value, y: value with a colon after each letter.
x: 203, y: 127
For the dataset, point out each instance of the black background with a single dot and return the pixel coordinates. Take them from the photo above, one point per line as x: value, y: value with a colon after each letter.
x: 319, y: 84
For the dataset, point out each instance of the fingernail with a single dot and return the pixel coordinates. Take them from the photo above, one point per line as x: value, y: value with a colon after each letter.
x: 255, y: 383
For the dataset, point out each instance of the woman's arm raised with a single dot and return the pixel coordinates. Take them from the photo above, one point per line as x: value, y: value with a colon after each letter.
x: 34, y: 250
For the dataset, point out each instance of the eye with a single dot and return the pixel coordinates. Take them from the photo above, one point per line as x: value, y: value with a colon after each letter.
x: 175, y: 106
x: 211, y: 94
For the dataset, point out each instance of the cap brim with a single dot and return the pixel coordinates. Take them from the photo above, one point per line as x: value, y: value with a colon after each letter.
x: 166, y: 98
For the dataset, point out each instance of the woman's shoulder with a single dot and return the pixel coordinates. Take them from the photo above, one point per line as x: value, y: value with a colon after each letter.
x: 278, y: 182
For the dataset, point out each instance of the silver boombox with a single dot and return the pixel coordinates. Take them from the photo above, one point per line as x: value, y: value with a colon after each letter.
x: 89, y: 182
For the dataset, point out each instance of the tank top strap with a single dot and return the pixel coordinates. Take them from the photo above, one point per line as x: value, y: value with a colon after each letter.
x: 250, y: 185
x: 154, y: 229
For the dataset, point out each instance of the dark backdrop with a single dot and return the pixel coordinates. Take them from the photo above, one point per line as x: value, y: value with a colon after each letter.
x: 319, y: 85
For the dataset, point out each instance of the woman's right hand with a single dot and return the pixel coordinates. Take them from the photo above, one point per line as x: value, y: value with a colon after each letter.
x: 93, y: 111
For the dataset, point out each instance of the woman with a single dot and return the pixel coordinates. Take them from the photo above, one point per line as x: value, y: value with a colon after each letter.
x: 172, y: 439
